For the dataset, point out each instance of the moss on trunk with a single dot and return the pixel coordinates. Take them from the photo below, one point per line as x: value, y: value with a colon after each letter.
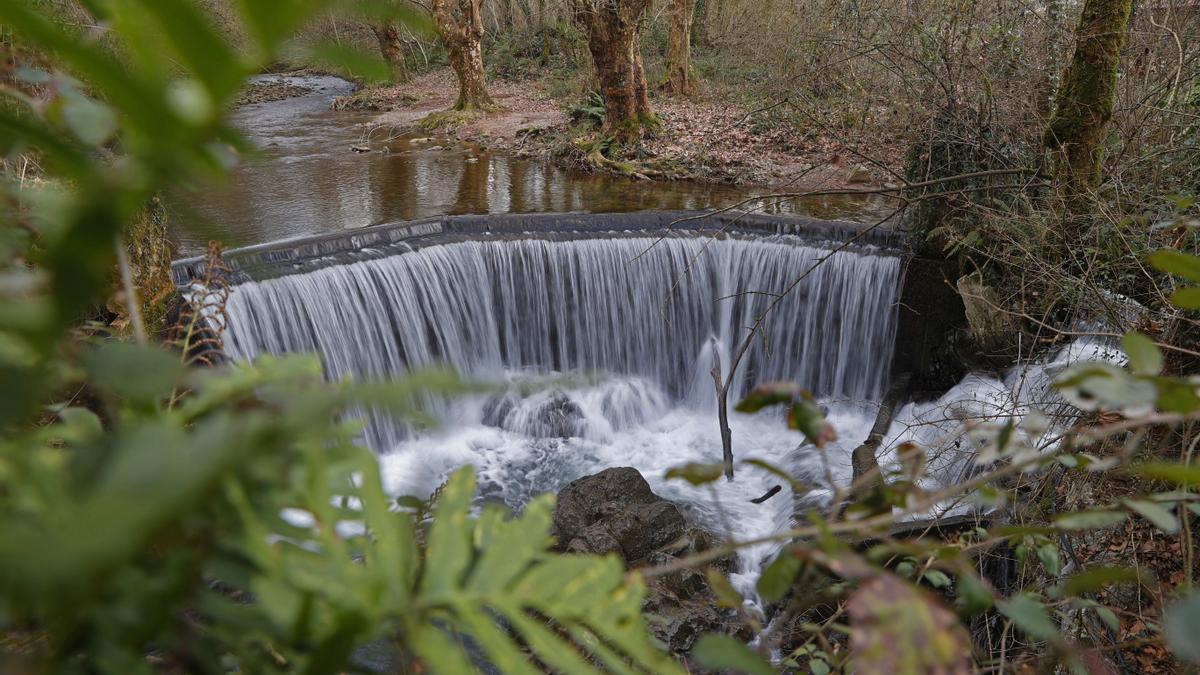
x: 460, y: 25
x: 1087, y: 94
x: 681, y: 77
x: 613, y: 28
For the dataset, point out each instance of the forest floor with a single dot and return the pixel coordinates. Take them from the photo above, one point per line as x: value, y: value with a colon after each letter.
x: 711, y: 137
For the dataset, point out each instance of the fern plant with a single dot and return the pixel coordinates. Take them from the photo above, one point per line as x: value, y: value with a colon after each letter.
x: 161, y: 518
x: 485, y: 582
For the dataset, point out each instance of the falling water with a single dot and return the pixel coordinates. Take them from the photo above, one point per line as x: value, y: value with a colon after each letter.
x: 637, y: 322
x: 638, y: 307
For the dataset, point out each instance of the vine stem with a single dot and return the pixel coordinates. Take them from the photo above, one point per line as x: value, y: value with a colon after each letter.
x: 131, y: 299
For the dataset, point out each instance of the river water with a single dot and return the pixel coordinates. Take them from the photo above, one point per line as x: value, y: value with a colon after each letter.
x: 304, y: 178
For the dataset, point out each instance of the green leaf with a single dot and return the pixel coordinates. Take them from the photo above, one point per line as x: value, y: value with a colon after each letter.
x: 478, y: 569
x: 353, y: 62
x: 78, y: 425
x: 549, y: 648
x: 1108, y: 617
x: 1092, y: 385
x: 777, y: 579
x: 502, y: 651
x: 936, y: 578
x: 205, y: 52
x: 896, y: 627
x: 1029, y: 614
x: 1174, y: 262
x: 1051, y: 560
x: 719, y: 653
x: 139, y: 374
x: 697, y: 473
x: 769, y: 394
x: 1187, y: 298
x: 727, y: 595
x: 1144, y: 355
x: 805, y: 416
x: 1089, y: 520
x: 974, y: 596
x: 449, y: 553
x: 1174, y: 473
x: 383, y: 11
x: 797, y: 486
x: 1161, y: 517
x: 92, y: 123
x: 513, y: 547
x: 1095, y: 578
x: 1183, y: 628
x: 439, y: 651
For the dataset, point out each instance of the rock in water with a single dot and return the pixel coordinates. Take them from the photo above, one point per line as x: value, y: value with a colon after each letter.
x: 615, y: 511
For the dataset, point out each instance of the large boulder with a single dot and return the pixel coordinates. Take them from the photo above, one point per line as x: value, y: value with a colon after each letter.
x: 615, y: 511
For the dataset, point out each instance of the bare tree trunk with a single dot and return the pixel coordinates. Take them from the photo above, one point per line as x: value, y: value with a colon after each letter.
x: 681, y: 78
x: 392, y: 50
x: 612, y: 28
x: 1087, y: 94
x: 462, y: 33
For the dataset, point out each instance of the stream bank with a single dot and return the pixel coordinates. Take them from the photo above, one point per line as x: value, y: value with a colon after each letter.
x: 318, y: 170
x: 710, y: 138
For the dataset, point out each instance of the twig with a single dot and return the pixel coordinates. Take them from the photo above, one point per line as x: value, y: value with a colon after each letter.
x: 131, y: 298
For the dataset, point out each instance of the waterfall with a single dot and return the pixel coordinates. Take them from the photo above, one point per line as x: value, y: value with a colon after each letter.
x: 638, y: 307
x: 625, y: 330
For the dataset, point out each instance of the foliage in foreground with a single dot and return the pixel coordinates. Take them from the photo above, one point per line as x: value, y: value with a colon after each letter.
x: 156, y: 517
x: 860, y: 590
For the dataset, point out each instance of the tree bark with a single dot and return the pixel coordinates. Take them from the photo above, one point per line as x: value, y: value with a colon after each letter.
x: 460, y: 25
x: 681, y: 78
x: 612, y: 28
x: 392, y: 50
x: 722, y: 388
x: 1087, y: 94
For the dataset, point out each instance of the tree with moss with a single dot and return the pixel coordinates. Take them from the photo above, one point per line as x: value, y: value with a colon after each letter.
x: 612, y: 29
x: 1087, y: 93
x: 459, y: 24
x: 681, y: 76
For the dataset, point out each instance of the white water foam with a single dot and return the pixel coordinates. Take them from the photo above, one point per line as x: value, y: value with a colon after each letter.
x: 639, y: 318
x: 634, y: 328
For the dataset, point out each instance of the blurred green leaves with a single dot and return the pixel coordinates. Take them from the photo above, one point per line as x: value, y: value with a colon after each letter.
x: 1183, y: 628
x: 803, y: 414
x: 225, y: 519
x: 1183, y: 265
x: 722, y: 653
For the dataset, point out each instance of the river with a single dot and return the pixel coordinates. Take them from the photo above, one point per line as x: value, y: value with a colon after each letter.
x: 303, y: 177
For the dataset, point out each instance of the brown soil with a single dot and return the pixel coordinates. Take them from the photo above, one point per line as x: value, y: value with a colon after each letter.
x: 524, y: 107
x: 706, y: 138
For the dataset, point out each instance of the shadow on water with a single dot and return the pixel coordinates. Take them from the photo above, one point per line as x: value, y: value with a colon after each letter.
x: 307, y: 179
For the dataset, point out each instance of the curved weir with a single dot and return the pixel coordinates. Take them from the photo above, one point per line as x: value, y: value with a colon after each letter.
x: 638, y: 307
x: 625, y: 324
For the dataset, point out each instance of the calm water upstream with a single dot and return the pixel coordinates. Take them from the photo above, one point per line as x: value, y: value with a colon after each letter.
x: 305, y: 179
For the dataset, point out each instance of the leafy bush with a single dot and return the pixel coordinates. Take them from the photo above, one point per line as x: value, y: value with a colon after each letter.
x: 158, y: 517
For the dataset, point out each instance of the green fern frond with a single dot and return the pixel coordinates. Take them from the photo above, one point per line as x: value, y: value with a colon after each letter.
x: 494, y: 580
x: 486, y: 589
